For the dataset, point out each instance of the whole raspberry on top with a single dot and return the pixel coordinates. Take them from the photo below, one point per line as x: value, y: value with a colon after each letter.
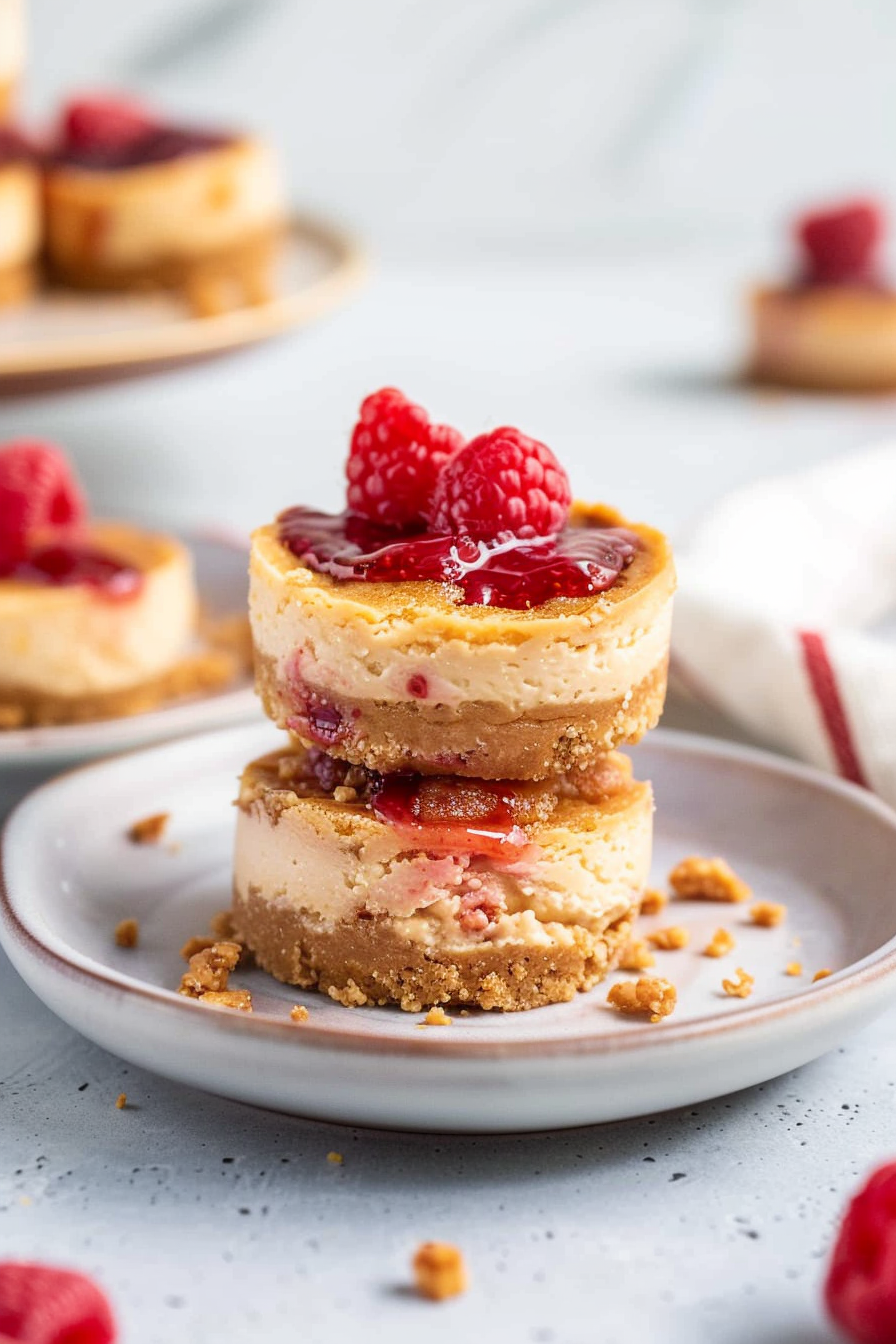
x: 502, y: 482
x: 860, y: 1291
x: 42, y: 1305
x: 841, y: 244
x: 104, y: 122
x: 396, y: 456
x: 37, y: 491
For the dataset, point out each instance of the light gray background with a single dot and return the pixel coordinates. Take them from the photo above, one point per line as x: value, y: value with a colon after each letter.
x: 566, y: 201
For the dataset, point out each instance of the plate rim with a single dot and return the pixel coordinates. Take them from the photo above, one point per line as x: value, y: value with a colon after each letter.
x: 186, y: 337
x: 870, y: 970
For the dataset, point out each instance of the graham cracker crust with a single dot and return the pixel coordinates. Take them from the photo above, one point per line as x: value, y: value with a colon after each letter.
x: 368, y: 961
x: 480, y: 740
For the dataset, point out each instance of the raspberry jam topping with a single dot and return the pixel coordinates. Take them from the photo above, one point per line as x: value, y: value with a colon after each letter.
x: 63, y: 565
x: 509, y: 571
x: 445, y: 819
x: 106, y: 134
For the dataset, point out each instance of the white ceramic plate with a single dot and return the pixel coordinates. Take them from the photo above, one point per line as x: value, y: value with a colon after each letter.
x: 827, y: 849
x: 61, y: 337
x: 221, y: 577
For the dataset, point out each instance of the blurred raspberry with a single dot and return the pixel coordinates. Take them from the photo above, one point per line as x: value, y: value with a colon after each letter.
x: 841, y: 244
x: 41, y: 1305
x: 37, y: 490
x: 860, y: 1291
x: 396, y: 456
x: 502, y: 482
x: 104, y: 122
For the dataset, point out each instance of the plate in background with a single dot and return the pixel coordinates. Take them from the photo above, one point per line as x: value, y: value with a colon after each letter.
x: 826, y: 848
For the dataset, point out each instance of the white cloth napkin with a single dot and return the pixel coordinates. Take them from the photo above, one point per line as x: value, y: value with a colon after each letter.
x: 786, y: 615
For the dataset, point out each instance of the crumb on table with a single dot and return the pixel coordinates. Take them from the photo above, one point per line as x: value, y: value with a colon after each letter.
x: 720, y: 944
x: 768, y: 914
x: 793, y: 968
x: 742, y: 986
x: 439, y: 1271
x: 699, y: 879
x: 336, y: 1158
x: 121, y: 1101
x: 822, y: 974
x: 127, y: 933
x: 299, y: 1013
x: 241, y: 999
x: 653, y: 996
x: 210, y: 970
x: 671, y: 939
x: 636, y: 956
x: 149, y: 830
x: 436, y: 1017
x: 653, y: 901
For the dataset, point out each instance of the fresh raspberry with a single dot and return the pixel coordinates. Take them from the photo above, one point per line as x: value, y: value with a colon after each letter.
x: 42, y: 1305
x: 395, y: 459
x: 502, y: 482
x: 860, y: 1291
x: 841, y: 244
x: 37, y: 490
x: 104, y: 122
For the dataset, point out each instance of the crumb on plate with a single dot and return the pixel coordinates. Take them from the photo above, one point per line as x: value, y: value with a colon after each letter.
x: 671, y: 939
x: 720, y: 944
x: 653, y: 901
x: 742, y: 986
x: 127, y: 933
x: 241, y: 999
x: 822, y: 974
x: 636, y: 956
x: 436, y: 1017
x: 439, y: 1271
x: 768, y: 914
x: 793, y: 968
x: 198, y: 943
x: 699, y: 879
x: 210, y: 970
x: 299, y: 1013
x: 653, y: 996
x: 149, y: 830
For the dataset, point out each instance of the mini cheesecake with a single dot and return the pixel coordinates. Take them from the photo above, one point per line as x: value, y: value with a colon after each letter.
x: 12, y: 53
x: 20, y: 216
x: 134, y: 203
x: 422, y: 891
x: 441, y: 676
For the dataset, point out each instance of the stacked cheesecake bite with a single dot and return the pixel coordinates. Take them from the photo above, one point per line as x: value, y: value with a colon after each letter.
x: 456, y: 659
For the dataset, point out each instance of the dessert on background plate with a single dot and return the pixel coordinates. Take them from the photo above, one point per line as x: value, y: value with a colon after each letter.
x: 12, y: 53
x: 21, y: 215
x: 833, y: 327
x: 456, y: 658
x: 97, y: 619
x: 133, y: 201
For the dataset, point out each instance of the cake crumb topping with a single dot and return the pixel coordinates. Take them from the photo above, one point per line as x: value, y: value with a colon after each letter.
x: 793, y: 968
x: 241, y: 999
x: 149, y: 830
x: 768, y: 914
x: 439, y: 1271
x: 653, y: 901
x: 698, y: 879
x: 655, y: 997
x: 636, y: 956
x: 742, y: 986
x: 127, y: 933
x: 822, y: 974
x: 670, y: 939
x: 436, y: 1017
x: 299, y: 1013
x: 720, y: 944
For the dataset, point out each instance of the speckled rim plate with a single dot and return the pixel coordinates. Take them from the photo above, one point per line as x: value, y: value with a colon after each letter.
x: 826, y: 848
x: 88, y: 336
x: 221, y: 562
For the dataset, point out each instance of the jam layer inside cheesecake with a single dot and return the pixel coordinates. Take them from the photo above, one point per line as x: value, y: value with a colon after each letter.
x: 68, y: 564
x: 508, y: 572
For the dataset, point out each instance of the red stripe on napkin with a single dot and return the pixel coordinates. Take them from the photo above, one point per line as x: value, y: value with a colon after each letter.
x: 833, y: 712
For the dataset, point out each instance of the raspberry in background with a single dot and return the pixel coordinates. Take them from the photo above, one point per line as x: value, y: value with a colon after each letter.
x: 860, y: 1291
x: 38, y: 490
x: 43, y: 1305
x: 502, y: 482
x: 103, y: 121
x: 396, y: 456
x: 841, y: 243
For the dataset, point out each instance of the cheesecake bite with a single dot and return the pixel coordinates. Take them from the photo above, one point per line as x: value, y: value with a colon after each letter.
x: 133, y: 201
x: 97, y: 619
x: 833, y: 327
x: 422, y: 890
x: 462, y: 616
x: 21, y: 223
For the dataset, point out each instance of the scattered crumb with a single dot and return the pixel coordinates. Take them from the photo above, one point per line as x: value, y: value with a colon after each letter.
x: 198, y: 943
x: 768, y: 914
x: 671, y: 939
x: 127, y: 933
x: 221, y: 925
x: 699, y: 879
x: 121, y: 1101
x: 351, y: 995
x: 335, y: 1158
x: 742, y: 987
x: 210, y: 970
x: 653, y: 901
x: 796, y: 941
x: 150, y: 830
x: 436, y: 1017
x: 653, y: 996
x: 720, y: 944
x: 793, y: 968
x: 636, y: 956
x: 439, y: 1271
x: 822, y: 974
x: 240, y: 999
x: 299, y: 1013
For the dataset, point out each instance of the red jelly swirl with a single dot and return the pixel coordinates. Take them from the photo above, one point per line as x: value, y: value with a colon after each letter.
x: 508, y: 572
x: 67, y: 565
